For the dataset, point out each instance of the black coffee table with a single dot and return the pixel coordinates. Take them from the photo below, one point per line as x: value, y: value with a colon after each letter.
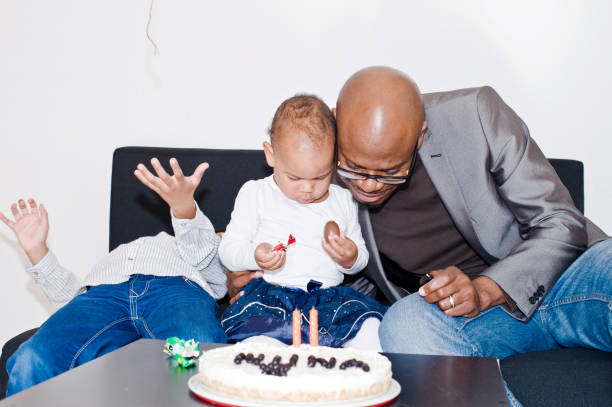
x: 139, y: 374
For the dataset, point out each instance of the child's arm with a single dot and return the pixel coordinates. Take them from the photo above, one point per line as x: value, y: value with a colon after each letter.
x: 31, y: 226
x: 177, y: 189
x: 194, y: 233
x: 348, y: 249
x: 237, y: 249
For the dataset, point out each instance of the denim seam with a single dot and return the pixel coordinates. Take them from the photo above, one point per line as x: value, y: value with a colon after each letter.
x: 467, y: 320
x: 543, y: 315
x: 464, y: 337
x: 132, y: 294
x: 145, y: 289
x: 94, y: 337
x: 475, y: 351
x: 192, y: 284
x: 146, y: 327
x: 133, y: 302
x: 576, y: 298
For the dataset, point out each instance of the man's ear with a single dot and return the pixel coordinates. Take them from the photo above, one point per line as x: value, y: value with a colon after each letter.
x: 269, y: 152
x: 423, y: 130
x: 334, y: 112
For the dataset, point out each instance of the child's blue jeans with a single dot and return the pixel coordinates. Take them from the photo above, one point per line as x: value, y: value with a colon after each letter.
x: 107, y: 317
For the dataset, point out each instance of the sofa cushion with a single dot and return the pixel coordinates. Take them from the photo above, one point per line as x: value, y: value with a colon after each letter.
x: 137, y: 211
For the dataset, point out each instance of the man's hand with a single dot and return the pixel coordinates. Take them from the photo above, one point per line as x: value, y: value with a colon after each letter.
x: 238, y: 279
x: 267, y: 258
x: 469, y: 296
x: 177, y: 190
x: 31, y: 227
x: 341, y: 249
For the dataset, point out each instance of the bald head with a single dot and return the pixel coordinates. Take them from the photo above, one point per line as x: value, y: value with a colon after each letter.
x: 379, y: 117
x: 378, y: 99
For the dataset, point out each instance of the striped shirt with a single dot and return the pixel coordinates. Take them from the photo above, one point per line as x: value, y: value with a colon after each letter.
x: 191, y: 253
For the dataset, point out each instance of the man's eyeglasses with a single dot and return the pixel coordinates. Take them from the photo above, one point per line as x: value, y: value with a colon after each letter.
x: 385, y: 179
x: 360, y: 176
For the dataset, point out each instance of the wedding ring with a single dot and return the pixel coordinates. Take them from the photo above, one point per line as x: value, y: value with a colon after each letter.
x: 452, y: 301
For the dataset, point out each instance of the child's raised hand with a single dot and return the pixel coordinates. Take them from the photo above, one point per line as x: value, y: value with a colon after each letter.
x: 267, y: 258
x: 341, y: 249
x: 177, y: 189
x: 31, y: 227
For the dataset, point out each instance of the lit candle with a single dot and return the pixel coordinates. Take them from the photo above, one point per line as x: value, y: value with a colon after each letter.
x: 297, y: 327
x: 314, y: 326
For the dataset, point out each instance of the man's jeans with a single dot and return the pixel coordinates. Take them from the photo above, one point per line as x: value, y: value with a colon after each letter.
x: 107, y: 317
x: 577, y: 312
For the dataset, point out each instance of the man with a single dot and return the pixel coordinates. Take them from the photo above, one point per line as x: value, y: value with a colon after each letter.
x: 456, y: 190
x: 483, y: 213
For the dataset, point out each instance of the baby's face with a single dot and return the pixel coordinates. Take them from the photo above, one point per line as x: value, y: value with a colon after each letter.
x: 302, y: 170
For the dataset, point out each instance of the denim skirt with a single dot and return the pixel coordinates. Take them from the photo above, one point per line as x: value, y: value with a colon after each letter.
x: 266, y: 309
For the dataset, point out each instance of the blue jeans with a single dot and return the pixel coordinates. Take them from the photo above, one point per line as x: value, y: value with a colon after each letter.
x: 577, y: 312
x: 107, y: 317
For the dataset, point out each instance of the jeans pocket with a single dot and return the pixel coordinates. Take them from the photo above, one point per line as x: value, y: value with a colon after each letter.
x: 191, y: 283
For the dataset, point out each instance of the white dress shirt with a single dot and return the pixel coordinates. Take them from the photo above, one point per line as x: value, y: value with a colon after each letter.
x: 191, y: 253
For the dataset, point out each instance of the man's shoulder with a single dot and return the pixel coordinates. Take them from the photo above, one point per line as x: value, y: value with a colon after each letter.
x: 463, y: 110
x: 435, y: 99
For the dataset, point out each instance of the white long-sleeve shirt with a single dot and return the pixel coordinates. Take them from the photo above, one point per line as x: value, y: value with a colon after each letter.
x: 262, y: 213
x: 191, y: 253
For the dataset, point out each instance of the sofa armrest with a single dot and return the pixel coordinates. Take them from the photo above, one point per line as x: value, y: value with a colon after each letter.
x: 7, y: 351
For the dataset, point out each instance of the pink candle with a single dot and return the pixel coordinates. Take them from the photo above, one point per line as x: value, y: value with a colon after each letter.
x: 297, y: 327
x: 314, y: 327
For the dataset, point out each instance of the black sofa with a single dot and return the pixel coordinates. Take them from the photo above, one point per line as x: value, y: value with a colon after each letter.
x: 566, y: 377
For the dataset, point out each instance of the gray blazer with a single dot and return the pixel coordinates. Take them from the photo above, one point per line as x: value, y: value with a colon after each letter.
x: 501, y: 192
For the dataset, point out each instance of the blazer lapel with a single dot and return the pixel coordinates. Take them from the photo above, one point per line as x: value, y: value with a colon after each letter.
x: 435, y: 160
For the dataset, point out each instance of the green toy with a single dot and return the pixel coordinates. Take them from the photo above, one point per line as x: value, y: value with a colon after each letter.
x: 185, y: 352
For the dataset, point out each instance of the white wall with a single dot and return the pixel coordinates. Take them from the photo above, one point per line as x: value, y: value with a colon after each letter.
x: 78, y: 79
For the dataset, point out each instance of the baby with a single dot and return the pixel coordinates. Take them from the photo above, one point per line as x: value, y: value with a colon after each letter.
x: 292, y: 207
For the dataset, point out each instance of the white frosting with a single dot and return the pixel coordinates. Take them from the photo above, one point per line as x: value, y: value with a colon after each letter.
x: 219, y: 371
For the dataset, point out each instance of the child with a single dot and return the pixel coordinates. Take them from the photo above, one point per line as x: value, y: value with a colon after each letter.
x: 298, y: 201
x: 154, y: 287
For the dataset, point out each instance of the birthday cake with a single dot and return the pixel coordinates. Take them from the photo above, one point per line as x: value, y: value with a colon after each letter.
x: 304, y: 373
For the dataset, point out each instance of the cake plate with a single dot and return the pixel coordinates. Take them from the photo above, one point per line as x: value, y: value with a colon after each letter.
x: 201, y: 391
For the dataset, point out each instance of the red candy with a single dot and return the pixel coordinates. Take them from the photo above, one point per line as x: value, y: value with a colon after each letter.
x: 281, y: 246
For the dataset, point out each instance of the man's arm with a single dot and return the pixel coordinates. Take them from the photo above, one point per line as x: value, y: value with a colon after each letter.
x: 552, y: 229
x: 31, y: 226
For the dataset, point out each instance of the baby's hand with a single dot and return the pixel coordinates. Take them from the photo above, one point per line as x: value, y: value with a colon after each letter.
x: 341, y: 249
x: 31, y: 228
x: 177, y: 190
x: 267, y: 258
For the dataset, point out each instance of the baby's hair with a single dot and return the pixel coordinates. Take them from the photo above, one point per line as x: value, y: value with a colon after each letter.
x: 307, y: 113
